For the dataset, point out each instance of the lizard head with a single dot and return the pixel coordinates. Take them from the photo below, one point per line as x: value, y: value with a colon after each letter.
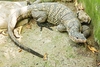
x: 77, y: 37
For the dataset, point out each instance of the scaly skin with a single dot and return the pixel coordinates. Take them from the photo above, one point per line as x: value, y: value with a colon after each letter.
x: 62, y: 16
x: 83, y: 17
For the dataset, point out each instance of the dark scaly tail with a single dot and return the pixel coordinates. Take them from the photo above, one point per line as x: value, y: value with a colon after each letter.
x: 13, y: 38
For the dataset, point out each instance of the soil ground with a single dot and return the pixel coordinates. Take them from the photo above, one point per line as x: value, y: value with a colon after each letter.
x: 62, y: 52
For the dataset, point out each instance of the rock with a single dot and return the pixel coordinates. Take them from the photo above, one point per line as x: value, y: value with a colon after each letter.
x: 83, y: 17
x: 86, y: 30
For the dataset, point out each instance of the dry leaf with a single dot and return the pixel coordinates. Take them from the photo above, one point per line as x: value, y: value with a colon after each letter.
x: 1, y: 31
x: 76, y: 3
x: 98, y: 63
x: 81, y: 7
x: 20, y: 50
x: 45, y: 56
x: 92, y: 49
x: 28, y: 26
x: 5, y: 34
x: 20, y: 29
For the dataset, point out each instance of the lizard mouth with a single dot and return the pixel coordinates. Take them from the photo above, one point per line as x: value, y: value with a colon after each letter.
x: 78, y: 40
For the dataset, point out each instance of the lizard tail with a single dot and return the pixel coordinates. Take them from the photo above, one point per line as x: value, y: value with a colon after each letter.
x: 13, y: 38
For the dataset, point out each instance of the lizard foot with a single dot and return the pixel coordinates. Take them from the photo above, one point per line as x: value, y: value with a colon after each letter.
x: 17, y: 31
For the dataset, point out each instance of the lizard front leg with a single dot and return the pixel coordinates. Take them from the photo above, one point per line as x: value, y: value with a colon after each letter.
x: 61, y: 28
x: 40, y: 16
